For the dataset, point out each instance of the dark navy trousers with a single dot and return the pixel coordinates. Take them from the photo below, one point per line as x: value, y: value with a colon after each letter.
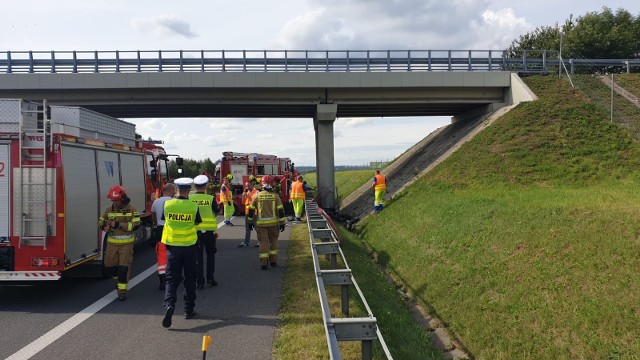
x: 206, y: 244
x: 181, y: 260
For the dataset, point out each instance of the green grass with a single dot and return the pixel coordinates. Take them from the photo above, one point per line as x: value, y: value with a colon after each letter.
x: 346, y: 181
x: 631, y: 82
x: 300, y: 332
x: 525, y: 241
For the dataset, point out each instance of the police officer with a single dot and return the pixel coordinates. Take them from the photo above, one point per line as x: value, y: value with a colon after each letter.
x: 268, y: 211
x: 119, y: 221
x: 179, y: 235
x: 206, y: 231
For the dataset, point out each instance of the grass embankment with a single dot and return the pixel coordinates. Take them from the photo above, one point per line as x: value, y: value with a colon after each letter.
x: 525, y: 241
x: 346, y: 181
x: 625, y: 113
x: 301, y: 331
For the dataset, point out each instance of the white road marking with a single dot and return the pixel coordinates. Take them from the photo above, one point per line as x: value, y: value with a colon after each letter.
x: 57, y: 332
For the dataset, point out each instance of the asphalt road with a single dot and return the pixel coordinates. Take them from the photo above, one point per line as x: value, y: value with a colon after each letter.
x: 239, y: 314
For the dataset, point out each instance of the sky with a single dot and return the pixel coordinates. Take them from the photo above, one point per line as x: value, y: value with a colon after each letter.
x: 64, y: 25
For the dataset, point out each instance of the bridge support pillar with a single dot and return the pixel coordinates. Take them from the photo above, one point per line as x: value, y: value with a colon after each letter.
x: 325, y: 163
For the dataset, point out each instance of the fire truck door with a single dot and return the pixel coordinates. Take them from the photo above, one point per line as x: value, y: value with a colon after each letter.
x: 81, y: 202
x: 4, y: 192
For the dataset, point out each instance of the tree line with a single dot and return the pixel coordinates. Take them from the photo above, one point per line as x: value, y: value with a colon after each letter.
x: 595, y: 35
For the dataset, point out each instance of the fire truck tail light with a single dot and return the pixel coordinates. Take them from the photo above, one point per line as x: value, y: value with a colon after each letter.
x: 45, y: 262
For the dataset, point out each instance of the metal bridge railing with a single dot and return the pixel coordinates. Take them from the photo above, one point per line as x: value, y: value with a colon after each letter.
x: 324, y: 241
x: 531, y: 61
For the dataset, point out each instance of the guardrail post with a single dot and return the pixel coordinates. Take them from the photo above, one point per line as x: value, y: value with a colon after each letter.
x: 160, y: 60
x: 95, y: 61
x: 117, y: 61
x: 139, y: 67
x: 181, y: 62
x: 408, y: 60
x: 8, y: 62
x: 244, y: 60
x: 449, y: 58
x: 469, y: 61
x: 75, y: 62
x: 626, y: 62
x: 224, y: 65
x: 571, y: 64
x: 202, y: 60
x: 344, y: 299
x: 367, y: 349
x: 388, y: 60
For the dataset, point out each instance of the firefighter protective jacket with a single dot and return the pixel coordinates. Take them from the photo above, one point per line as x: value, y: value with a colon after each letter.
x: 267, y: 208
x: 127, y: 219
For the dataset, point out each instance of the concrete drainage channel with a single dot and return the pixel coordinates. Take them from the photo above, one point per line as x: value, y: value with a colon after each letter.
x: 324, y: 241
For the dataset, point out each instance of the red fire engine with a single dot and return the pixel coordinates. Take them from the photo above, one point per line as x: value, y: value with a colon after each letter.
x: 56, y: 164
x: 243, y: 165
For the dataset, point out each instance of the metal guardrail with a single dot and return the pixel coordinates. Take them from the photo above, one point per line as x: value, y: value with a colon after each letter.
x: 324, y: 241
x: 532, y: 61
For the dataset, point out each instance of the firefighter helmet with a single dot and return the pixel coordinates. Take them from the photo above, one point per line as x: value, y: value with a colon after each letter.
x: 267, y: 181
x: 116, y: 192
x: 230, y: 176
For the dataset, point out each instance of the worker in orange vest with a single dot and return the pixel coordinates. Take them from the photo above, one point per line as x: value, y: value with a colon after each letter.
x: 298, y: 189
x: 379, y: 184
x: 157, y: 210
x: 247, y: 196
x: 226, y: 201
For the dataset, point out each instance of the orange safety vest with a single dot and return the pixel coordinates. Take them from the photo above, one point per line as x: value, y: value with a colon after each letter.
x: 225, y: 194
x: 247, y: 200
x: 380, y: 182
x: 297, y: 191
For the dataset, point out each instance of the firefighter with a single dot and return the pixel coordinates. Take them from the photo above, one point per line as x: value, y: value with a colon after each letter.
x: 119, y: 221
x: 247, y: 196
x: 157, y: 209
x: 298, y: 189
x: 226, y: 200
x: 379, y: 184
x: 180, y: 237
x: 207, y: 235
x: 268, y: 211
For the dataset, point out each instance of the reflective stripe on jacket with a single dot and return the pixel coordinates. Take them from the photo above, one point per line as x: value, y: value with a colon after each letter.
x: 268, y: 209
x: 128, y: 220
x: 204, y: 203
x: 297, y: 190
x: 179, y: 222
x: 380, y: 182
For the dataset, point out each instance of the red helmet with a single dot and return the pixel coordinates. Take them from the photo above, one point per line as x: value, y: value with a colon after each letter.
x: 267, y: 181
x: 116, y: 192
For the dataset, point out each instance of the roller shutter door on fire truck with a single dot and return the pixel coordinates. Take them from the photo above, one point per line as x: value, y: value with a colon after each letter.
x: 133, y: 179
x: 81, y: 201
x: 4, y: 192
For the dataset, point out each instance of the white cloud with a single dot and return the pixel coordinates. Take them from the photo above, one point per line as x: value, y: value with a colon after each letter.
x: 355, y: 122
x: 163, y: 25
x: 152, y: 125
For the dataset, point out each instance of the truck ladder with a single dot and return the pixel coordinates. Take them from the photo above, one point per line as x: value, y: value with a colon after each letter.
x: 33, y: 178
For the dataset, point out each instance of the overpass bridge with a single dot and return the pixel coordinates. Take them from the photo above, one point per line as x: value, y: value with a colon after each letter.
x: 323, y: 86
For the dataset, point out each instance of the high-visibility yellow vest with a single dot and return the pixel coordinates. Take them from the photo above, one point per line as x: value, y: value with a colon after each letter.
x: 204, y: 202
x: 380, y: 182
x: 179, y: 222
x: 297, y: 191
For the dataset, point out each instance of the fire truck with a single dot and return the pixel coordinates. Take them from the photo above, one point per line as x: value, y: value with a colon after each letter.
x: 243, y: 165
x: 56, y: 165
